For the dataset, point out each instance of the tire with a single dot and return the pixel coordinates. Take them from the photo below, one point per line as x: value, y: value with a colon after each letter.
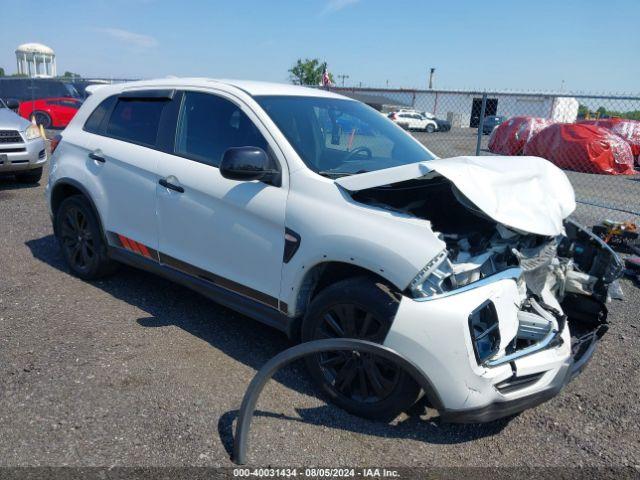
x: 80, y: 237
x: 30, y: 176
x: 430, y: 128
x: 364, y: 385
x: 42, y: 118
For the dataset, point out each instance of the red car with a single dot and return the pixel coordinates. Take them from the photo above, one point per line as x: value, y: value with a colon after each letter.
x: 50, y: 112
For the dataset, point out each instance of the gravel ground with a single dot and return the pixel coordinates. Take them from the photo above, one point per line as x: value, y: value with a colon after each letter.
x: 137, y: 371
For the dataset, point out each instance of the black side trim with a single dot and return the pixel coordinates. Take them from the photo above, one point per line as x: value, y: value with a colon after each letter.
x: 250, y: 399
x: 203, y: 285
x: 291, y: 244
x: 219, y: 281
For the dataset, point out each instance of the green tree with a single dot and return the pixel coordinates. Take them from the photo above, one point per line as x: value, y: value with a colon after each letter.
x: 601, y: 111
x: 70, y: 75
x: 1, y: 72
x: 308, y: 72
x: 583, y: 111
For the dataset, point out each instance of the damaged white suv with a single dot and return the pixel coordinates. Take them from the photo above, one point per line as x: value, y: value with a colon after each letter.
x: 313, y: 213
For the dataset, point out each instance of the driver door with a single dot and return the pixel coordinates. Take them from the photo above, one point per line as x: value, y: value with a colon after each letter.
x: 228, y: 232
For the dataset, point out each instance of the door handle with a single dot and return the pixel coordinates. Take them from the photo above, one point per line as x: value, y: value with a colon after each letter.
x: 171, y: 186
x: 96, y: 157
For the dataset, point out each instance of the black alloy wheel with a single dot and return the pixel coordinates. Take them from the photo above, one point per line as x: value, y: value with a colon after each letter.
x: 363, y: 378
x: 77, y: 239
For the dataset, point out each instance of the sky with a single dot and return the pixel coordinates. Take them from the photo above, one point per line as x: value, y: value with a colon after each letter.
x: 588, y: 45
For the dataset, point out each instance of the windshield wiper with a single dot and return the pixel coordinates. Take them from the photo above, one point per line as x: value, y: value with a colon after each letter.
x: 336, y: 174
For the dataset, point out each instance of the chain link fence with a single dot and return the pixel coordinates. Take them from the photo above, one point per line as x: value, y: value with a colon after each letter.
x: 595, y: 139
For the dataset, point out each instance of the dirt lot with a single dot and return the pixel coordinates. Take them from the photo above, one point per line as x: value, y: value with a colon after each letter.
x: 134, y: 370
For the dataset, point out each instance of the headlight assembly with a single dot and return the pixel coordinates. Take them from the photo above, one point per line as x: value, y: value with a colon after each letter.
x: 32, y: 132
x: 432, y: 278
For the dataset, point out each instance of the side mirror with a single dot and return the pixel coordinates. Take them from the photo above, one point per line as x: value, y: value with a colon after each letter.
x: 246, y: 163
x: 13, y: 104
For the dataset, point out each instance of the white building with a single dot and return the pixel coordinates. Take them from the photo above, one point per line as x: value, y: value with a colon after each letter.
x: 36, y: 60
x: 463, y: 108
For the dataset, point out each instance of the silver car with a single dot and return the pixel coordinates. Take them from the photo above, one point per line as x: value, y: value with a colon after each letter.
x: 22, y: 148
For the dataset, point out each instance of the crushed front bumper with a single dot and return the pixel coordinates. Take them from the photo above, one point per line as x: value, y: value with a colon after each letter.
x: 582, y: 351
x: 434, y: 334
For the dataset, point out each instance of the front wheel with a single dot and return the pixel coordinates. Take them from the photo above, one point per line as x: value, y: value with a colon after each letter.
x: 430, y: 128
x: 363, y: 384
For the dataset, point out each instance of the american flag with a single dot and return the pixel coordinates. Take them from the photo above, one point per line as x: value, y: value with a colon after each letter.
x: 326, y: 81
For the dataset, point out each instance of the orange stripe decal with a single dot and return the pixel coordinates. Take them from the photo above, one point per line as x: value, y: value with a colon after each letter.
x: 144, y: 250
x: 134, y: 246
x: 124, y: 241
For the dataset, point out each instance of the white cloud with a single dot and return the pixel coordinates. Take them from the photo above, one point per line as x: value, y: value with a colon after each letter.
x: 333, y: 6
x: 132, y: 39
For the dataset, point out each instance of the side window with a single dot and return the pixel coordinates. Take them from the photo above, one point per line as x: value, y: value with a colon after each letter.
x: 94, y: 121
x: 136, y: 120
x: 208, y: 125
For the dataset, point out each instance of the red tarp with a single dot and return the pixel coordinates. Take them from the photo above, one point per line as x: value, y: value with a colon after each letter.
x: 627, y: 129
x: 510, y: 137
x: 583, y: 148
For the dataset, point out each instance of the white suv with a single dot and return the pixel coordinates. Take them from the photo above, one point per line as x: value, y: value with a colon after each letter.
x: 254, y: 195
x: 411, y: 120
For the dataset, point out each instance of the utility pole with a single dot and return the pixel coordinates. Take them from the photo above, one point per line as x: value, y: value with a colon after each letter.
x: 342, y: 78
x: 432, y: 73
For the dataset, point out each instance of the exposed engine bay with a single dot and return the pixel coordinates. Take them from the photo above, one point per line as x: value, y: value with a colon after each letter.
x: 573, y: 273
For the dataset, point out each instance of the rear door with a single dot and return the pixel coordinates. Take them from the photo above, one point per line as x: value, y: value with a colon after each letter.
x: 121, y: 154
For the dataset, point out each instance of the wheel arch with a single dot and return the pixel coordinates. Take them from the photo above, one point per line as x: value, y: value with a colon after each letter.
x: 323, y: 274
x: 68, y: 187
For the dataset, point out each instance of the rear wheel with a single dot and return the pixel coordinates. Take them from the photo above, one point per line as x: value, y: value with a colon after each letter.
x: 42, y: 118
x: 80, y: 237
x: 30, y: 176
x: 363, y: 384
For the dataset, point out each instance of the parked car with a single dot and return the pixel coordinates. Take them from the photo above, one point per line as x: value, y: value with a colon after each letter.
x: 413, y: 121
x: 443, y: 125
x: 491, y: 122
x: 22, y: 149
x: 510, y: 137
x: 50, y: 112
x: 22, y: 89
x: 583, y: 148
x: 228, y: 187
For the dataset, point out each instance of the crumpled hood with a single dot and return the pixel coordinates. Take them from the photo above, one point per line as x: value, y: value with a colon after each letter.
x: 529, y: 194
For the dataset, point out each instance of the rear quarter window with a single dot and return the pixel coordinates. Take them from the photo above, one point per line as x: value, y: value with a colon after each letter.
x: 95, y: 121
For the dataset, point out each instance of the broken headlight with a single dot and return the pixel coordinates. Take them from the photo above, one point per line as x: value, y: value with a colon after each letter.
x: 434, y: 278
x: 440, y: 275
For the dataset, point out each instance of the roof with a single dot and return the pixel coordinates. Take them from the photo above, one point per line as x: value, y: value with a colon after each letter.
x: 250, y: 87
x: 34, y: 48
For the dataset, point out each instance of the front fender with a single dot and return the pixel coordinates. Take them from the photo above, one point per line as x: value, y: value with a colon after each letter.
x: 335, y: 228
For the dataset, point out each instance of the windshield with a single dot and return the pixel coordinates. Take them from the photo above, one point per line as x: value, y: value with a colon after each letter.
x: 337, y: 137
